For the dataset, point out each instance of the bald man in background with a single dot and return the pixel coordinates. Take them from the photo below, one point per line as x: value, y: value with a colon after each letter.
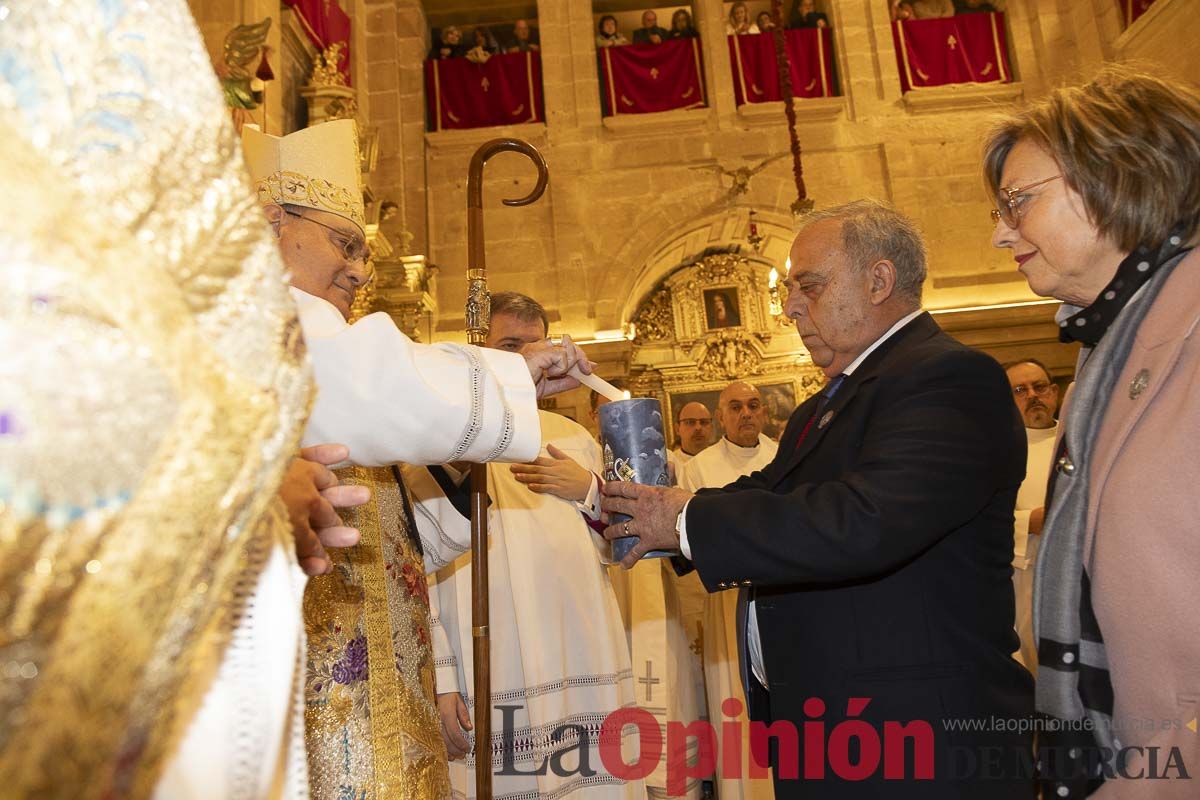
x: 693, y: 429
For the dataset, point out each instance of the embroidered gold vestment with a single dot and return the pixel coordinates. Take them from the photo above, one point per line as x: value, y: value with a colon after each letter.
x: 152, y: 391
x: 371, y: 723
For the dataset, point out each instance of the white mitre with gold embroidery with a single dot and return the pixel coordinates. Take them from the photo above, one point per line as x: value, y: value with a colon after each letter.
x: 317, y: 167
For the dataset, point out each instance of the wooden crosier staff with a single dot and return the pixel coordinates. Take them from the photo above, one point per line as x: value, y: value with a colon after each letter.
x: 478, y: 316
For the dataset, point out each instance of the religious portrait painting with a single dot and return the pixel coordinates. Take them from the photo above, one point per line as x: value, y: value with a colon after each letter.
x: 721, y: 307
x: 779, y: 400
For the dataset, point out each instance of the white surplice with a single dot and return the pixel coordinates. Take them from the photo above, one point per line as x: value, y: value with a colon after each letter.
x: 389, y: 399
x: 717, y: 466
x: 559, y: 656
x: 666, y: 665
x: 1030, y: 496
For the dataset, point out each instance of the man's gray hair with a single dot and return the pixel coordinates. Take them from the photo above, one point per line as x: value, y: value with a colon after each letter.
x: 521, y: 306
x: 872, y: 231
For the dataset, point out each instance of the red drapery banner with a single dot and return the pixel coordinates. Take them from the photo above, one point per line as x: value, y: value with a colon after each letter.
x: 325, y: 23
x: 641, y: 78
x: 756, y: 76
x: 968, y: 48
x: 507, y: 90
x: 1132, y: 9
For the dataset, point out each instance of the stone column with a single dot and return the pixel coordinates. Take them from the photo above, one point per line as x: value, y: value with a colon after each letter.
x: 710, y: 19
x: 396, y: 43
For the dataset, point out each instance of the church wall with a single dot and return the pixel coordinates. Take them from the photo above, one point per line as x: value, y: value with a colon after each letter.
x: 630, y: 196
x: 619, y: 185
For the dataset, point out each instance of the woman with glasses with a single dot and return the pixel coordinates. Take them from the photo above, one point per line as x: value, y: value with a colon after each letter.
x: 1098, y: 198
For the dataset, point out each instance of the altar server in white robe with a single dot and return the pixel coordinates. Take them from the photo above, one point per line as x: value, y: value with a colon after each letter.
x: 1036, y: 396
x: 559, y: 661
x: 693, y: 430
x: 742, y: 450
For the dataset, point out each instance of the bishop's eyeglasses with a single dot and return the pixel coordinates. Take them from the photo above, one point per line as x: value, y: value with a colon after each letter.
x: 352, y: 247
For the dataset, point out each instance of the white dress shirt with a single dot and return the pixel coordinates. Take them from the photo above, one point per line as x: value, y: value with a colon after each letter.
x: 753, y: 640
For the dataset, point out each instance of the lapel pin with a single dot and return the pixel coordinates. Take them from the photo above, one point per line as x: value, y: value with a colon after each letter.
x: 1139, y: 384
x: 825, y: 419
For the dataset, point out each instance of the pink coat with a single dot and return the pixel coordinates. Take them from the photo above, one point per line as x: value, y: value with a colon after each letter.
x: 1143, y: 540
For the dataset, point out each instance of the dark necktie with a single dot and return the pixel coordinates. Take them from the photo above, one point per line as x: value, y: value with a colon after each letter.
x: 826, y: 395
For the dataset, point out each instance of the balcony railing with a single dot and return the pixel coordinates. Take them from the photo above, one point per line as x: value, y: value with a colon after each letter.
x: 506, y: 90
x: 644, y: 78
x: 755, y: 70
x: 967, y: 48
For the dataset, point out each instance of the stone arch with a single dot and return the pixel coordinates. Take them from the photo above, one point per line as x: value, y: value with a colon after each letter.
x: 715, y: 230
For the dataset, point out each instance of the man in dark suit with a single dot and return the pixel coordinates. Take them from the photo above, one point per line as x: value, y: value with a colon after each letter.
x: 650, y: 33
x: 873, y: 554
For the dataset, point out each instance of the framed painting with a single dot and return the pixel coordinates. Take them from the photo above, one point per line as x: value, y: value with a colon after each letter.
x: 721, y: 308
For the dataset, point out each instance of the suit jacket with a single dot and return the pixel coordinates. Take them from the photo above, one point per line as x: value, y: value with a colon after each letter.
x: 1142, y: 536
x: 880, y: 555
x: 642, y: 35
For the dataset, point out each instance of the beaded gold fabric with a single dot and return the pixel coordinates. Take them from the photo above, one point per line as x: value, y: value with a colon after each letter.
x: 153, y: 387
x: 371, y: 723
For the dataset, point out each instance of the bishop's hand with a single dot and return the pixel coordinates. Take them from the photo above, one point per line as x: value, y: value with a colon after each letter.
x: 311, y: 492
x: 550, y: 363
x: 654, y: 509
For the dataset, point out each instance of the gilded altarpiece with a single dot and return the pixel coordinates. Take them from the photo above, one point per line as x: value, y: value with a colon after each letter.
x: 709, y: 323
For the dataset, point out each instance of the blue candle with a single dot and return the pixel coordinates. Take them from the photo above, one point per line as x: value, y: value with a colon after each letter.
x: 631, y: 433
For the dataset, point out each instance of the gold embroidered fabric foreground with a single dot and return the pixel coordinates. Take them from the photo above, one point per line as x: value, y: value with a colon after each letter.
x: 152, y: 391
x: 371, y: 721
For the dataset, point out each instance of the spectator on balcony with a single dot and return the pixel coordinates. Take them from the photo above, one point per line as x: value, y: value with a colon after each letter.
x: 805, y: 15
x: 976, y: 7
x: 607, y: 34
x: 681, y: 26
x: 449, y: 44
x: 764, y: 22
x: 739, y: 23
x: 901, y: 10
x: 650, y: 33
x: 485, y: 45
x: 525, y: 38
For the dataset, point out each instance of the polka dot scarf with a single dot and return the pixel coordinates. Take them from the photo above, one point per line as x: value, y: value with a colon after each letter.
x: 1089, y: 324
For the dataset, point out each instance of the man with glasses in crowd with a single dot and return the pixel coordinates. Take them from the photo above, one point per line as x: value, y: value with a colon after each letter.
x: 693, y: 430
x: 1036, y: 397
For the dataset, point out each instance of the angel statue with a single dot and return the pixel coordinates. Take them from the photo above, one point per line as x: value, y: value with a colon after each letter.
x: 242, y: 46
x: 742, y: 175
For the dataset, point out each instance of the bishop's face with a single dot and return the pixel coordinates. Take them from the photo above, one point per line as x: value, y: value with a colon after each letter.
x: 314, y: 246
